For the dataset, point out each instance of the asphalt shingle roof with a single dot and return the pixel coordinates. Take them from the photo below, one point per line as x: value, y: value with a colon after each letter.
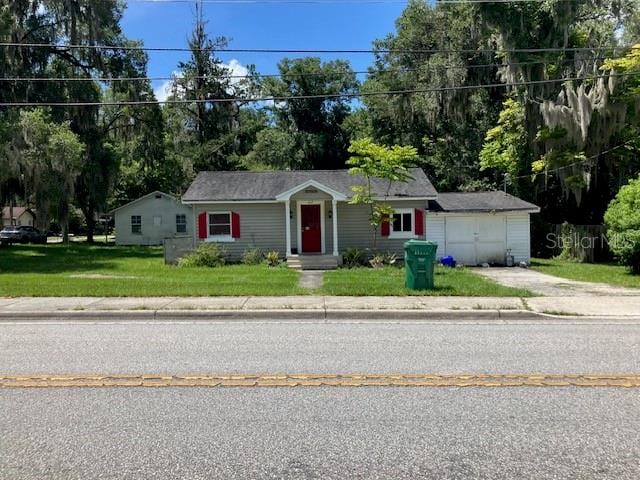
x: 479, y: 202
x: 247, y: 186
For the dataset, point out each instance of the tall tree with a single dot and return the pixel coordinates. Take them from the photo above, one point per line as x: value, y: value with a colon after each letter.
x: 314, y: 124
x: 207, y: 133
x: 53, y: 23
x: 50, y: 154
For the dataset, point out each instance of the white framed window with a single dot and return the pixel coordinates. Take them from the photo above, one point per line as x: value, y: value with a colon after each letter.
x: 181, y: 223
x: 402, y: 223
x: 219, y: 226
x: 136, y: 224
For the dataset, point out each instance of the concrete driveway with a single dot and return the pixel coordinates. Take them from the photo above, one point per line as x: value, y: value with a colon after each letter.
x: 548, y: 285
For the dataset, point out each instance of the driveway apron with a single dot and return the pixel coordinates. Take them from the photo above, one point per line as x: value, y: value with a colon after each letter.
x: 548, y: 285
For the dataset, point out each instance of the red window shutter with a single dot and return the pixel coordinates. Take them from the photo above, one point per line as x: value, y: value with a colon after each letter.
x: 202, y: 225
x: 235, y: 225
x: 385, y: 227
x: 419, y: 214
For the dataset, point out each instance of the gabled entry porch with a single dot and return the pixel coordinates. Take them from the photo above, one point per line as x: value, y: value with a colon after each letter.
x: 311, y: 226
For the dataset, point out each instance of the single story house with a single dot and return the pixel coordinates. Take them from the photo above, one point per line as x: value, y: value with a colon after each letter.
x: 480, y: 227
x: 150, y: 219
x: 307, y: 215
x: 21, y: 216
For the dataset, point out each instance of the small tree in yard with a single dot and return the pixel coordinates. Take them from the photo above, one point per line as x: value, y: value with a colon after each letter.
x: 378, y: 162
x: 623, y: 221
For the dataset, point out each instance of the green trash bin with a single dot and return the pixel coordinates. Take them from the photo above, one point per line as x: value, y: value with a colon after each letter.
x: 419, y: 259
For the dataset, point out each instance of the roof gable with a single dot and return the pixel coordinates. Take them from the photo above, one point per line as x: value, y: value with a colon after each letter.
x: 144, y: 197
x: 272, y: 186
x: 17, y: 212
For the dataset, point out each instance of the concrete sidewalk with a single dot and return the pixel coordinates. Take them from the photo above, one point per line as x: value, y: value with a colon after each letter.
x: 316, y: 307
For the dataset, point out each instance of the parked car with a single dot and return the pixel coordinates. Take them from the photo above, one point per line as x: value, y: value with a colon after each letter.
x: 22, y: 234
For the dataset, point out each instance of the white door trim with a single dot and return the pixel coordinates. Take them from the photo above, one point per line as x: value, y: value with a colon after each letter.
x: 299, y: 203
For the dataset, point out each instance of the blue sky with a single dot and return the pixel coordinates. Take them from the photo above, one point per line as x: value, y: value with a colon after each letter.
x: 329, y: 26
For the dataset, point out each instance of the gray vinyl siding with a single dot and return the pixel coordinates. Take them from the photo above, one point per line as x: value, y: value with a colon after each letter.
x: 263, y: 225
x: 355, y: 231
x: 148, y: 208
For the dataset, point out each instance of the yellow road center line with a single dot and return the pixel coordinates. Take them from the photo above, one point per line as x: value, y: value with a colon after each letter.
x: 322, y: 380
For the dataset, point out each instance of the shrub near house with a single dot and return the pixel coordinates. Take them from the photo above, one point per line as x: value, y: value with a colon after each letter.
x: 623, y: 221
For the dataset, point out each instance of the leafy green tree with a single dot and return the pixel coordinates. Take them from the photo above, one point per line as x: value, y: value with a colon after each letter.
x: 315, y: 124
x: 623, y: 223
x: 54, y: 23
x: 505, y: 144
x: 208, y: 135
x: 50, y: 156
x: 447, y: 127
x: 378, y: 163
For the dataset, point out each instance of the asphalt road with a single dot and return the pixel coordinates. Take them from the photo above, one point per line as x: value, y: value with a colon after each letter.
x: 365, y: 432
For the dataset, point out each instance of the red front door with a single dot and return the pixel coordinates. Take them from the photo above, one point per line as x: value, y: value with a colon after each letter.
x: 311, y: 230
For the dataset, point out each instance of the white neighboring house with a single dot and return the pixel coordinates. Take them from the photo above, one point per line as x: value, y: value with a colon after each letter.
x: 152, y: 218
x: 21, y: 216
x: 480, y: 227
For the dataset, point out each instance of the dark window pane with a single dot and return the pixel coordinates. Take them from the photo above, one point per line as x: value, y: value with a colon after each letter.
x: 406, y: 222
x: 397, y: 219
x: 216, y: 218
x: 181, y: 224
x: 136, y: 224
x: 219, y: 229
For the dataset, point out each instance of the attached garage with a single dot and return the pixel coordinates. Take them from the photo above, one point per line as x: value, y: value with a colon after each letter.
x: 480, y: 227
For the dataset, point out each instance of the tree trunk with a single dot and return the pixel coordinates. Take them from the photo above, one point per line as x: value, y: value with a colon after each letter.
x: 91, y: 227
x: 11, y: 221
x: 64, y: 221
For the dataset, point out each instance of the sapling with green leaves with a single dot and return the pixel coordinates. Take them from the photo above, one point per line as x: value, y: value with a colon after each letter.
x: 375, y: 163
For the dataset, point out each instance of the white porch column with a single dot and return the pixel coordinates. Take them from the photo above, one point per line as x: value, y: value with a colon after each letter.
x: 334, y: 215
x: 287, y: 222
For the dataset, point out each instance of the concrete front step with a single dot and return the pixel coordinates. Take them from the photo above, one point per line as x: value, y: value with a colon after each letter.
x: 313, y: 262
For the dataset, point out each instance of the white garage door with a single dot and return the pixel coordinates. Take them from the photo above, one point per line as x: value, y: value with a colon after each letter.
x: 476, y: 239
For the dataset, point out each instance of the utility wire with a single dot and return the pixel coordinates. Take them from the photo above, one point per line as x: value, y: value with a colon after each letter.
x: 328, y: 2
x: 307, y: 97
x: 283, y: 75
x: 580, y: 162
x: 308, y: 51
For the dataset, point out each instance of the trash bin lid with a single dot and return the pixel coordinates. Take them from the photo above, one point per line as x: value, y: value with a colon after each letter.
x: 420, y: 248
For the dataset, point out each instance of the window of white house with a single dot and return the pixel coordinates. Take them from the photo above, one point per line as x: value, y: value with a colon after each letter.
x: 220, y: 224
x: 136, y: 224
x: 181, y: 223
x: 402, y: 223
x: 157, y: 220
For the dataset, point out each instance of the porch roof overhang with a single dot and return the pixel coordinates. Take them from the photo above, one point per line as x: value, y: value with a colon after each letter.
x: 286, y: 195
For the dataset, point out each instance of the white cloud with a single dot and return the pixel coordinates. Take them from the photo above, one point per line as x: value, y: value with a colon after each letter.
x: 235, y: 68
x: 163, y: 91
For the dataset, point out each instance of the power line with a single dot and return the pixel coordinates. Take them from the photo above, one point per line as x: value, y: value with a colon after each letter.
x: 316, y: 51
x: 283, y: 75
x: 306, y: 97
x: 580, y: 162
x: 327, y: 2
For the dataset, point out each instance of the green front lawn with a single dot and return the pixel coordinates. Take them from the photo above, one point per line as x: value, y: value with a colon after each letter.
x: 610, y: 273
x: 390, y: 281
x: 108, y: 271
x: 84, y: 270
